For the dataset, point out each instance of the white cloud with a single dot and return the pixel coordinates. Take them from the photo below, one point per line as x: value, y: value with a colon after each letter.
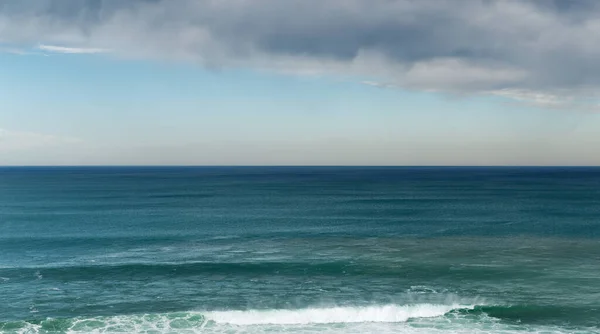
x: 559, y: 100
x: 378, y: 84
x: 71, y: 50
x: 458, y: 75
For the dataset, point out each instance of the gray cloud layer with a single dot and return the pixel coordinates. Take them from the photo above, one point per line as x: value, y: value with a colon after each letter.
x: 542, y: 52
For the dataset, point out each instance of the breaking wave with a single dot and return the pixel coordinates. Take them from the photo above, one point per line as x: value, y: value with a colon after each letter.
x: 385, y: 313
x: 416, y: 318
x: 195, y: 321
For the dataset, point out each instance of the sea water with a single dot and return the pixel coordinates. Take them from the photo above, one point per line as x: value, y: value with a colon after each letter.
x: 299, y: 250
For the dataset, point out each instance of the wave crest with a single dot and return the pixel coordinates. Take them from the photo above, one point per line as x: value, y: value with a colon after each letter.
x: 384, y: 313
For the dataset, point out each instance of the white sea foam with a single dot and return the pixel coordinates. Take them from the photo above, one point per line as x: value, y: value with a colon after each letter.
x: 384, y: 313
x: 426, y: 319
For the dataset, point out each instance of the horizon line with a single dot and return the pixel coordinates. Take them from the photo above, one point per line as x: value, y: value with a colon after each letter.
x: 299, y: 166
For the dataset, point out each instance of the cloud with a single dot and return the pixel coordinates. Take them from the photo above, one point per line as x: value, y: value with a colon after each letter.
x: 560, y: 101
x: 548, y: 47
x: 62, y: 49
x: 378, y: 84
x: 23, y: 140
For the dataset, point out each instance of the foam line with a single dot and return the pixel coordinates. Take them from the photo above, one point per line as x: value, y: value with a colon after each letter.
x: 383, y: 313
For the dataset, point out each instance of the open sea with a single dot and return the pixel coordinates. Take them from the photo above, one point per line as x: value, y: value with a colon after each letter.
x: 299, y: 250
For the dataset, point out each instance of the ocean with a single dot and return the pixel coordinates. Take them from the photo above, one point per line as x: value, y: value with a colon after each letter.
x: 299, y: 250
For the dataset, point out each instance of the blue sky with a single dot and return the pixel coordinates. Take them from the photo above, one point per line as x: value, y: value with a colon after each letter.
x: 88, y: 100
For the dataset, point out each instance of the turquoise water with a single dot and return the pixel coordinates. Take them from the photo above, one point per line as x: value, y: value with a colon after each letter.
x: 307, y: 250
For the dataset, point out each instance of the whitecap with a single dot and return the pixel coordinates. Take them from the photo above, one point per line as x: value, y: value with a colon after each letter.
x: 384, y: 313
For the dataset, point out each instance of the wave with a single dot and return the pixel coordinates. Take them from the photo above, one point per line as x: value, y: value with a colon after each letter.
x: 253, y: 267
x: 194, y: 321
x: 385, y: 313
x: 416, y: 318
x: 537, y: 314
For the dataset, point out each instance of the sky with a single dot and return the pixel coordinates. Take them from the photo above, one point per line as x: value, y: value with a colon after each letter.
x: 299, y: 82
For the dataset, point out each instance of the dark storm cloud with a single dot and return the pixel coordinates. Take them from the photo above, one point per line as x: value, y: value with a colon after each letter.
x: 538, y: 50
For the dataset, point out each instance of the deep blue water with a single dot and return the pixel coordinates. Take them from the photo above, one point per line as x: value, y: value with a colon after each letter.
x: 299, y: 249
